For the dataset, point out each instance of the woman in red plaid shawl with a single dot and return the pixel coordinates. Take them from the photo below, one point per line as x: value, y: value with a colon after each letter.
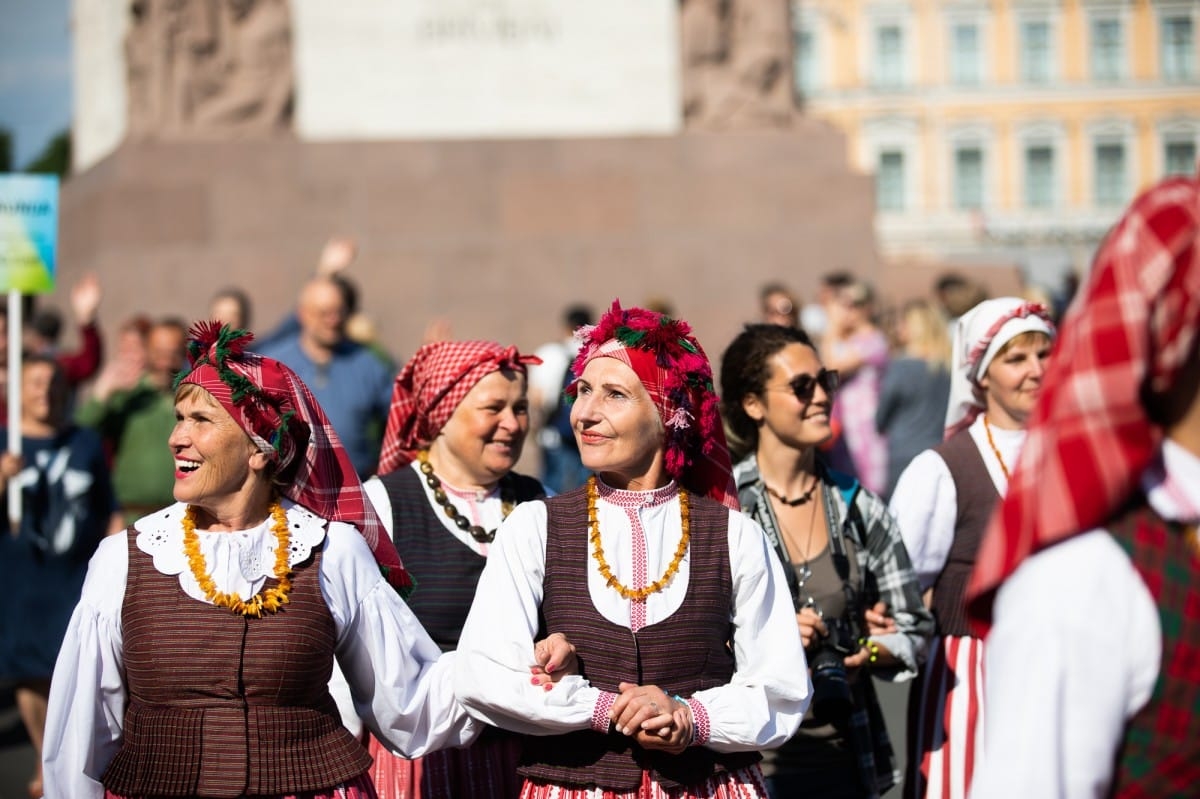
x: 456, y: 427
x: 1090, y: 572
x: 197, y: 661
x: 942, y: 502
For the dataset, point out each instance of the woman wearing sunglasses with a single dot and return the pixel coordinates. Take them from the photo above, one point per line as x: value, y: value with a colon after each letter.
x: 943, y: 501
x: 856, y: 598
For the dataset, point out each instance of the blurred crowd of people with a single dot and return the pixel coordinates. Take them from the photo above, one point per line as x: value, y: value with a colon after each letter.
x: 852, y: 491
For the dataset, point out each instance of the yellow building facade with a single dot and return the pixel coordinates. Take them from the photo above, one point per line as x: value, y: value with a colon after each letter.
x: 1004, y: 131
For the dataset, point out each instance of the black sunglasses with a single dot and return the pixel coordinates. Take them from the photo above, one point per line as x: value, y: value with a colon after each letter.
x: 804, y: 386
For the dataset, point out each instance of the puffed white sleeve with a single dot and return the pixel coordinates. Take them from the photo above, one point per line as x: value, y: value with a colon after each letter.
x: 496, y: 647
x: 762, y: 705
x: 400, y: 681
x: 925, y: 504
x: 1073, y: 654
x: 86, y: 710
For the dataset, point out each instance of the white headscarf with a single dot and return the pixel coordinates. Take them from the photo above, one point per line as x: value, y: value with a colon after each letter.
x: 978, y: 336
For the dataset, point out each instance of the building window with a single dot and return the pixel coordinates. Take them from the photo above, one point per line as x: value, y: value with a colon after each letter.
x: 1035, y: 51
x: 1039, y: 177
x: 968, y: 178
x: 889, y: 181
x: 1178, y: 59
x: 889, y: 56
x: 806, y: 60
x: 964, y: 54
x: 1106, y: 49
x: 1110, y: 174
x: 1180, y: 158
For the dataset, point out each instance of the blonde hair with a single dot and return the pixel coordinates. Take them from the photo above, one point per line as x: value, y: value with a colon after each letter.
x: 927, y: 333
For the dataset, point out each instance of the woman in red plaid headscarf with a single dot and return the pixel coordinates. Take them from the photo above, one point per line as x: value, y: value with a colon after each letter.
x: 1090, y: 571
x: 686, y: 638
x: 197, y: 661
x: 942, y: 502
x: 456, y: 427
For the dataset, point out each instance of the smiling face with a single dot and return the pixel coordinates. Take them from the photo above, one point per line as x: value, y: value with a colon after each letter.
x: 620, y: 433
x: 785, y: 420
x: 217, y: 467
x: 43, y: 394
x: 1013, y: 381
x: 482, y: 440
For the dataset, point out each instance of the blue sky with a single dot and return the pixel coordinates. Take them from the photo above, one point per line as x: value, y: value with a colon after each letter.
x: 35, y: 73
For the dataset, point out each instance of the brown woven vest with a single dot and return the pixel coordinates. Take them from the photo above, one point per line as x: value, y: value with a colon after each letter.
x: 685, y: 653
x: 977, y: 497
x: 221, y: 705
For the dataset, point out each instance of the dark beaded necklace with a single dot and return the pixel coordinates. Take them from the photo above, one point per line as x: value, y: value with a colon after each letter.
x: 507, y: 501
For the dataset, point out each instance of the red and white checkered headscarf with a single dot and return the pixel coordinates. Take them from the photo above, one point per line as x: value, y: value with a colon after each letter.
x: 1090, y: 437
x: 430, y: 387
x: 676, y: 373
x: 978, y: 335
x: 283, y: 419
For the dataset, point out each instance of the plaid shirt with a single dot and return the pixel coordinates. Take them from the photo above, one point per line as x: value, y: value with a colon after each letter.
x: 884, y: 574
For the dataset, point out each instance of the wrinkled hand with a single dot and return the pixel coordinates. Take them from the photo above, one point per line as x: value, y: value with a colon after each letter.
x: 672, y: 736
x: 556, y: 659
x: 879, y: 620
x: 812, y: 626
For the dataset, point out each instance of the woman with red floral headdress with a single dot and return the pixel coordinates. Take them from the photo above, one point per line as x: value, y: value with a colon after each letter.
x: 197, y: 661
x: 456, y: 427
x: 687, y: 645
x: 1090, y: 571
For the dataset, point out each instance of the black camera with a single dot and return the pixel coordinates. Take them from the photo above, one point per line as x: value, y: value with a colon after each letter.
x: 832, y: 701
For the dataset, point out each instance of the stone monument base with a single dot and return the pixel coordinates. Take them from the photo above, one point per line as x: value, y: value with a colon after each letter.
x: 497, y: 237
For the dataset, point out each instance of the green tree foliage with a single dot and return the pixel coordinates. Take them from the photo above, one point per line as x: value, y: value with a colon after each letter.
x: 55, y: 159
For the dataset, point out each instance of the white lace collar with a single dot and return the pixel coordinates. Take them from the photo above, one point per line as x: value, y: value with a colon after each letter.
x: 239, y: 561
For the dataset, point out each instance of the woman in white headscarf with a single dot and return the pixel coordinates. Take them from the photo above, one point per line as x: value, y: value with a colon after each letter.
x: 943, y: 501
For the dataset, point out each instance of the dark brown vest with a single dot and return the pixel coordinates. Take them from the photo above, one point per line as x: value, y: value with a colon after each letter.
x: 977, y: 497
x: 685, y: 653
x: 221, y: 705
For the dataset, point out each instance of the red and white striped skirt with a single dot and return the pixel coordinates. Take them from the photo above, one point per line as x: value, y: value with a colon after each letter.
x: 358, y: 788
x: 744, y: 783
x: 486, y: 768
x: 945, y: 720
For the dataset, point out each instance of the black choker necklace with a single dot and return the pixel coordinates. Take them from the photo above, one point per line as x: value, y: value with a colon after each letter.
x: 507, y: 501
x: 800, y: 500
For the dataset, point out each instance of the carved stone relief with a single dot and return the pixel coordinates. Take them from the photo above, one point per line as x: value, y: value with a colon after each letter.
x: 200, y: 67
x: 737, y: 64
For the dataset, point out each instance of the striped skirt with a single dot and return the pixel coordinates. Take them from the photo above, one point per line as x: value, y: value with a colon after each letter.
x: 358, y: 788
x: 745, y: 783
x: 486, y: 768
x: 945, y: 720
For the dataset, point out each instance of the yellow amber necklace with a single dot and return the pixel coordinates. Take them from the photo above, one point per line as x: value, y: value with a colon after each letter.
x: 637, y: 594
x: 270, y: 600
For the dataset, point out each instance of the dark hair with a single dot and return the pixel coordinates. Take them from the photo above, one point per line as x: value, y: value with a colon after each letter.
x: 837, y: 280
x: 578, y: 316
x: 744, y: 370
x: 240, y: 298
x: 47, y: 324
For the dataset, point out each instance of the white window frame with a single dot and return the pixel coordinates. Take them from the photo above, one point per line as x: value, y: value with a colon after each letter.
x: 1042, y: 134
x: 884, y: 14
x: 895, y: 133
x: 955, y: 19
x: 1111, y: 132
x: 807, y: 20
x: 1177, y: 8
x: 974, y: 135
x: 1109, y: 12
x: 1185, y: 129
x: 1037, y: 12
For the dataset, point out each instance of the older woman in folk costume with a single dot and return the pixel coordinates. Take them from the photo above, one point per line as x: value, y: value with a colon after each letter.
x: 1090, y: 572
x: 197, y: 659
x: 688, y: 649
x: 856, y: 600
x: 942, y: 502
x: 458, y: 421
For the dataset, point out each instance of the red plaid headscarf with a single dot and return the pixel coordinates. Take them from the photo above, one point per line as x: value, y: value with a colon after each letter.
x: 676, y: 373
x: 430, y: 387
x: 283, y: 419
x: 1090, y: 437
